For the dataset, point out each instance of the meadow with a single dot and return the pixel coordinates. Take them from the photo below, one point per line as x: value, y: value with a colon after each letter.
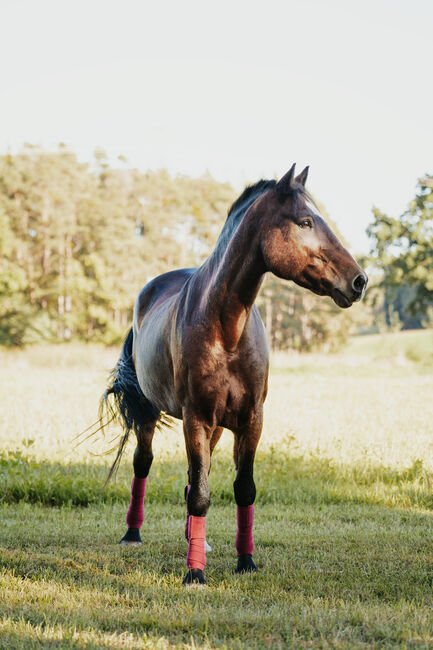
x: 344, y: 506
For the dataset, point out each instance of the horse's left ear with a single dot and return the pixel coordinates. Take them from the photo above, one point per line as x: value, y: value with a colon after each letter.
x: 302, y: 177
x: 285, y: 185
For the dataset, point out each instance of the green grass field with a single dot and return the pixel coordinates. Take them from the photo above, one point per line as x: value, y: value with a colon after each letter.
x: 344, y: 526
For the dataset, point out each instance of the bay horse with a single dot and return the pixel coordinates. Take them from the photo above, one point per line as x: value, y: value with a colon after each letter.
x: 198, y: 350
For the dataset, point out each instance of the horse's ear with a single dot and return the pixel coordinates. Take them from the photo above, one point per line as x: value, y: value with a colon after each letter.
x: 285, y: 185
x: 302, y: 177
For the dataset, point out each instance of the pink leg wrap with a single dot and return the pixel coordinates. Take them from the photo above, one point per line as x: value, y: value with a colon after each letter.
x: 196, y: 557
x: 188, y: 487
x: 244, y: 537
x: 135, y: 514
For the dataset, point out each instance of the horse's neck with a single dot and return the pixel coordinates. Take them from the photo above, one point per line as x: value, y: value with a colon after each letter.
x: 236, y: 276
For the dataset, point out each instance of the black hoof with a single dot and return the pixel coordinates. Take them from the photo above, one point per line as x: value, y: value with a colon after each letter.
x: 131, y: 537
x: 194, y: 577
x: 245, y: 564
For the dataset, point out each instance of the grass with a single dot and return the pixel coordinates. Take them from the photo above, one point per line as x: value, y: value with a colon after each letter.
x: 345, y: 575
x: 410, y: 346
x: 343, y: 513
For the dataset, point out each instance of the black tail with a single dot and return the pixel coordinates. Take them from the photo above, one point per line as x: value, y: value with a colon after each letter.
x: 128, y: 405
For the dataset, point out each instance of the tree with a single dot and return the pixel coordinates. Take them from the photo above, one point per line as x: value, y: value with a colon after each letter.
x: 15, y: 316
x: 78, y: 242
x: 402, y: 249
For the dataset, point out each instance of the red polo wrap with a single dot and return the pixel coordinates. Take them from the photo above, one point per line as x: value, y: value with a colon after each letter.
x: 135, y: 514
x: 196, y: 557
x: 244, y: 537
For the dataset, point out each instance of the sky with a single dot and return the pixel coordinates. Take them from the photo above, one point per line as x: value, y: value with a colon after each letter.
x: 239, y: 89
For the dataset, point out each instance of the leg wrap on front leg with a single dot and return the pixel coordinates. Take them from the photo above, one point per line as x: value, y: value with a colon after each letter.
x: 135, y: 514
x: 196, y: 557
x: 244, y: 537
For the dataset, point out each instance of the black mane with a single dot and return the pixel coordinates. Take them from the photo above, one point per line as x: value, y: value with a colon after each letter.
x: 252, y: 191
x: 237, y: 211
x: 241, y: 205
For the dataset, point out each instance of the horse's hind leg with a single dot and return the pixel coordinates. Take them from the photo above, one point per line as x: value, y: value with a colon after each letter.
x: 246, y: 441
x: 143, y: 457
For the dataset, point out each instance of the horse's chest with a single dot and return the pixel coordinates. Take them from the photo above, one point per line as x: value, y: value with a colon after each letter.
x: 237, y: 404
x: 238, y: 395
x: 226, y: 387
x: 224, y: 393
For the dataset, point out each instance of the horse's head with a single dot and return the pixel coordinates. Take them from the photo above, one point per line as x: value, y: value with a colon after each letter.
x: 298, y: 245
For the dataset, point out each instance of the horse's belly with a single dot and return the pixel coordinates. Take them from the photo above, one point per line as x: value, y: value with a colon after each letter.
x: 154, y: 367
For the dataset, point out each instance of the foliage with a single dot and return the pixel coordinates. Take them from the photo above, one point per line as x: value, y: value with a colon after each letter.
x: 402, y: 250
x: 14, y: 313
x: 298, y: 320
x: 78, y: 242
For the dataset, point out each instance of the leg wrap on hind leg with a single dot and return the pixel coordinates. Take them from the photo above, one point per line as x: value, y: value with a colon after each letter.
x: 244, y: 537
x: 196, y: 557
x: 135, y: 514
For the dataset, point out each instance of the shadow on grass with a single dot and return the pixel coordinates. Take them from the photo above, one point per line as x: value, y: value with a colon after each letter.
x: 281, y: 478
x: 317, y: 575
x: 336, y: 556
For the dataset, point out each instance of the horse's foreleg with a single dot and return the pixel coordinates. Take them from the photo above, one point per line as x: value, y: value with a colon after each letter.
x: 213, y: 441
x: 143, y: 458
x: 198, y: 444
x: 246, y: 441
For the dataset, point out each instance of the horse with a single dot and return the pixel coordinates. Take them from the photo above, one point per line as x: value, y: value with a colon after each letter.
x: 197, y: 350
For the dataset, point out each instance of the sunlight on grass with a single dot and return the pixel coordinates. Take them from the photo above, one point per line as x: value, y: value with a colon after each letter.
x: 335, y: 406
x: 348, y: 575
x: 343, y: 525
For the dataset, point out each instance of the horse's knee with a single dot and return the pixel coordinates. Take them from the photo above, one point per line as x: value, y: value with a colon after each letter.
x: 142, y: 462
x: 198, y: 500
x: 245, y: 491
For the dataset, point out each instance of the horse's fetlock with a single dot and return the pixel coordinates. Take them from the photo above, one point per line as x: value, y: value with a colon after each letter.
x: 198, y: 501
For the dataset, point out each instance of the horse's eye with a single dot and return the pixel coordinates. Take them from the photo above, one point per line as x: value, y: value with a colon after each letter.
x: 306, y: 223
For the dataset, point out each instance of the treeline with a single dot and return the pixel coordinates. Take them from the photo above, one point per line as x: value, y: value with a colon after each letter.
x: 78, y: 241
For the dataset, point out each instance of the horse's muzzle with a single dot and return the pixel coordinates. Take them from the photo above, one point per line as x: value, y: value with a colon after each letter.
x: 356, y: 292
x: 340, y: 299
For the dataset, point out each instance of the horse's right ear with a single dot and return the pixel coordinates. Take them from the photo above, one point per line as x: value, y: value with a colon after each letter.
x: 285, y: 185
x: 302, y: 177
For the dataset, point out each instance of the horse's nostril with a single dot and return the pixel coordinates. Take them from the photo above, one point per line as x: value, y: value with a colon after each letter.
x: 359, y: 282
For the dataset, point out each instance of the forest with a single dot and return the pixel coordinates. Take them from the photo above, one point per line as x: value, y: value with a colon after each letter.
x: 79, y: 240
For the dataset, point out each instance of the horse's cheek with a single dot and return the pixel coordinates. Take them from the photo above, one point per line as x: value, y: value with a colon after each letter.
x: 279, y: 254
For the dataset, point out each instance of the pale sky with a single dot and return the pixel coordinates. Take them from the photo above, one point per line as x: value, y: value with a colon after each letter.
x: 241, y: 89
